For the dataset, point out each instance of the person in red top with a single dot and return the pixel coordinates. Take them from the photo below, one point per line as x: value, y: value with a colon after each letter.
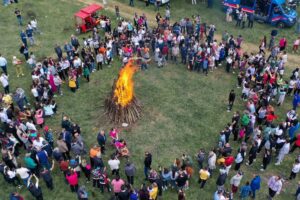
x: 282, y: 43
x: 64, y: 166
x: 228, y: 162
x: 271, y: 117
x: 296, y: 144
x: 72, y: 179
x: 165, y: 52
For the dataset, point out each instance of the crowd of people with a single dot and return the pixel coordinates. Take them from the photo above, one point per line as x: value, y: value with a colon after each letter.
x: 190, y: 42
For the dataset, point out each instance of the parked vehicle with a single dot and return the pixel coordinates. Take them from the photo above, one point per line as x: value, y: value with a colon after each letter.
x: 274, y: 12
x: 86, y: 19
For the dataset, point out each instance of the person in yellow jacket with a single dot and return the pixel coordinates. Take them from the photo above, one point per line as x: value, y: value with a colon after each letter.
x: 153, y: 191
x: 203, y: 176
x: 72, y: 83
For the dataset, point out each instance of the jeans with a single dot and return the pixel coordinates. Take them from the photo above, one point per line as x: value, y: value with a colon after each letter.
x: 4, y: 69
x: 5, y: 2
x: 130, y: 180
x: 146, y: 170
x: 6, y: 89
x: 20, y: 20
x: 144, y: 66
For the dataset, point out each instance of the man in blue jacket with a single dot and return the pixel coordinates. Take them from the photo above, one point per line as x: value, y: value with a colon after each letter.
x: 255, y: 185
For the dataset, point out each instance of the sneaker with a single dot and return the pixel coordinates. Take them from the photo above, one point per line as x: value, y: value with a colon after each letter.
x: 247, y: 163
x: 228, y: 110
x: 20, y: 186
x: 277, y: 163
x: 23, y: 75
x: 262, y: 170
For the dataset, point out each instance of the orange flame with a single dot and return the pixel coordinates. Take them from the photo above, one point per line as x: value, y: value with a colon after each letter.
x: 124, y: 90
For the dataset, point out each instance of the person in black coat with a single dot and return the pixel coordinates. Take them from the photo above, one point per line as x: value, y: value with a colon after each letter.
x: 231, y: 99
x: 147, y: 164
x: 101, y: 139
x: 221, y: 180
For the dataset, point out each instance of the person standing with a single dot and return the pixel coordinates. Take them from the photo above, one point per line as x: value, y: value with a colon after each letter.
x: 4, y: 82
x: 295, y: 169
x: 203, y: 176
x: 266, y: 160
x: 19, y: 16
x: 244, y: 19
x: 117, y: 184
x: 114, y: 164
x: 35, y: 189
x: 231, y: 99
x: 157, y: 4
x: 235, y: 181
x: 147, y: 164
x: 252, y: 153
x: 229, y: 62
x: 255, y: 185
x: 130, y: 171
x: 250, y: 20
x: 101, y: 139
x: 46, y: 175
x: 72, y: 178
x: 245, y: 191
x: 284, y: 150
x: 296, y: 101
x: 275, y: 186
x: 18, y: 65
x: 24, y: 50
x: 282, y: 44
x: 3, y: 64
x: 131, y: 3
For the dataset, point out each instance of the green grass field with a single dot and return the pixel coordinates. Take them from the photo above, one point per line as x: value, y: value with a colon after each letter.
x: 182, y: 111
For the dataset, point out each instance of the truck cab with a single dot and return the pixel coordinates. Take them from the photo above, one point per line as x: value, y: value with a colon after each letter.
x: 274, y: 12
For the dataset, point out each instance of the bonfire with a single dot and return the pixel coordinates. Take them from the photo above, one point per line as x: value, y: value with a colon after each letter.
x: 121, y: 105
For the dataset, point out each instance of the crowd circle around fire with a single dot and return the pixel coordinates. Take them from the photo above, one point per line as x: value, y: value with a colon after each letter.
x: 191, y: 43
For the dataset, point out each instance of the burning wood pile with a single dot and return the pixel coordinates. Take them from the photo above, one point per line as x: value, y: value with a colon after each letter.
x: 121, y: 105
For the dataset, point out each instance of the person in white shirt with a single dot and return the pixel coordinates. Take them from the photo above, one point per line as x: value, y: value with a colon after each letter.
x: 99, y: 60
x: 4, y: 82
x: 295, y: 169
x: 12, y: 176
x: 114, y: 165
x: 3, y: 115
x: 275, y: 186
x: 3, y: 64
x: 38, y: 143
x: 24, y: 174
x: 30, y: 125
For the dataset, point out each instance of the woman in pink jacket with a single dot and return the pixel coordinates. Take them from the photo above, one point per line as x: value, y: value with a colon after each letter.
x: 39, y: 119
x: 72, y: 179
